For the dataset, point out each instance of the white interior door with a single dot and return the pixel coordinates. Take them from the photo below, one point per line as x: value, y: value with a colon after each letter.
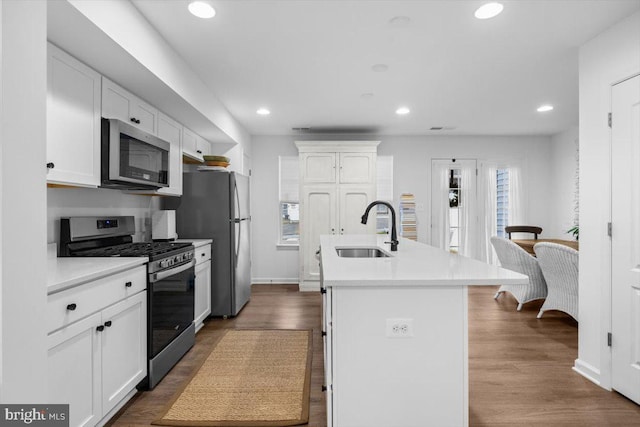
x: 625, y: 250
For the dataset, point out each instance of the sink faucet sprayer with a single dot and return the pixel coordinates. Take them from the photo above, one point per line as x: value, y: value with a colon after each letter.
x: 394, y: 236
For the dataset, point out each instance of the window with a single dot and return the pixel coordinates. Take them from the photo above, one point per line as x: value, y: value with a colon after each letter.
x: 502, y: 201
x: 289, y: 209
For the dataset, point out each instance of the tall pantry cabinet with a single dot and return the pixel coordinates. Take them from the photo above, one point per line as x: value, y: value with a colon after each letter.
x: 337, y: 182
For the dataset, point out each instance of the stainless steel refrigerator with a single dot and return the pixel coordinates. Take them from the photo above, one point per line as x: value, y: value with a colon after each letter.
x: 215, y: 205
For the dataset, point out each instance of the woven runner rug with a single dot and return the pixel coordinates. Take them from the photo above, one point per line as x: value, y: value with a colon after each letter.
x: 251, y: 378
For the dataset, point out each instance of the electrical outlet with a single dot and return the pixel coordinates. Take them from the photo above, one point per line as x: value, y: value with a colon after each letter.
x: 399, y: 328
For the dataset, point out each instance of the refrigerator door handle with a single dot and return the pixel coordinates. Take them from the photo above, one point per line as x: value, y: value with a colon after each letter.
x: 235, y: 187
x: 238, y: 240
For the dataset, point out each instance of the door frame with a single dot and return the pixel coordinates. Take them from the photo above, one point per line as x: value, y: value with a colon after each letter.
x: 606, y: 371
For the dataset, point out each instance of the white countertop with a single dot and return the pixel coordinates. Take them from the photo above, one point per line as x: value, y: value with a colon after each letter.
x: 414, y: 264
x: 64, y: 273
x: 196, y: 242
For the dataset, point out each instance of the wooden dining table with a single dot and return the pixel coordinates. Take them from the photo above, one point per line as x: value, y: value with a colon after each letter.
x: 527, y: 244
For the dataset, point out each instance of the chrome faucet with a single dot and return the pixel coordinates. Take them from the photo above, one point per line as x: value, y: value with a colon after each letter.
x: 394, y: 237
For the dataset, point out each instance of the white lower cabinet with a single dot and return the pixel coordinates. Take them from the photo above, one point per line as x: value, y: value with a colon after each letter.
x: 97, y: 361
x: 202, y: 305
x: 75, y: 372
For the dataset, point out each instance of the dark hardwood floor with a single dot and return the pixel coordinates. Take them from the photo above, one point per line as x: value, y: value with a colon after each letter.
x: 519, y: 366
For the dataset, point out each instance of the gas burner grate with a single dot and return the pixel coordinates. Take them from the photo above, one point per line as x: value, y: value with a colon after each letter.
x: 151, y: 249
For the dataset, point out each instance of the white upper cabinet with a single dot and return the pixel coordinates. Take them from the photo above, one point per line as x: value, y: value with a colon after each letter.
x: 118, y: 103
x: 342, y: 168
x: 357, y: 168
x: 194, y: 146
x: 318, y: 168
x: 73, y: 121
x: 171, y: 131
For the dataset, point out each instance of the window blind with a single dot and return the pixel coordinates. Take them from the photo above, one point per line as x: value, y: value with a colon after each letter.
x: 289, y: 181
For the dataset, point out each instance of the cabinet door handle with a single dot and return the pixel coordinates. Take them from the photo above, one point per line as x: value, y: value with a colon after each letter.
x: 199, y: 151
x: 107, y: 323
x: 50, y: 165
x: 202, y: 254
x: 134, y: 120
x: 72, y: 307
x: 100, y: 328
x: 128, y: 285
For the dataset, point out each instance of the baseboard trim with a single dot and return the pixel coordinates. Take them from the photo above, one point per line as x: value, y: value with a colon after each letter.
x: 273, y: 281
x: 587, y: 371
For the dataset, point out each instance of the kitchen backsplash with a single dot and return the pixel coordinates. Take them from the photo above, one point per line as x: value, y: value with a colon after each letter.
x: 63, y: 202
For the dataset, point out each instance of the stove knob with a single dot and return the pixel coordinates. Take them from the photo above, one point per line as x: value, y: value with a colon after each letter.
x: 163, y: 263
x: 176, y: 259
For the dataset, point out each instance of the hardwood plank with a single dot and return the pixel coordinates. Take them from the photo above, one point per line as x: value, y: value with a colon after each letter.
x: 519, y: 366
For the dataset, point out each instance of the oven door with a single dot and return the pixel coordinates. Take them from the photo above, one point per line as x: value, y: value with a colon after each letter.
x: 170, y: 308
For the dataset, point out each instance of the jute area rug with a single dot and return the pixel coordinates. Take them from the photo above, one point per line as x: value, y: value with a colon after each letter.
x: 251, y: 378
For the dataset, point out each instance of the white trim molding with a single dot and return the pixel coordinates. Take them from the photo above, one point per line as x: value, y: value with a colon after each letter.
x: 588, y: 371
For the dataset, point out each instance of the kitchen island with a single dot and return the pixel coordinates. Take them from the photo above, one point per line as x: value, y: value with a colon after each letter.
x: 395, y: 331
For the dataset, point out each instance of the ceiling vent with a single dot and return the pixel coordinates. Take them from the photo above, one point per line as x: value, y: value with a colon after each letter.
x: 442, y: 128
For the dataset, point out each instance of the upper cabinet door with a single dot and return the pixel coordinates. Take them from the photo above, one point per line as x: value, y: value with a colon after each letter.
x: 73, y: 121
x: 171, y: 131
x: 118, y: 103
x: 357, y: 168
x: 318, y: 168
x: 190, y: 145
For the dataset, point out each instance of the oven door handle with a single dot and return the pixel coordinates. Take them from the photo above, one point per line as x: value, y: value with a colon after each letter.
x: 168, y: 273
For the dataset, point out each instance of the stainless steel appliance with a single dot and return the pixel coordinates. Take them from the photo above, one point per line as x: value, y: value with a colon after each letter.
x: 215, y: 205
x: 170, y: 283
x: 132, y: 158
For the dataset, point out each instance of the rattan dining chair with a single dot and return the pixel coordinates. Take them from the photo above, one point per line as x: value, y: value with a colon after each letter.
x: 513, y: 257
x: 559, y: 266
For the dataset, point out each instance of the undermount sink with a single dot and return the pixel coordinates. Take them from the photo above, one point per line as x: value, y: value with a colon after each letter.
x: 361, y: 253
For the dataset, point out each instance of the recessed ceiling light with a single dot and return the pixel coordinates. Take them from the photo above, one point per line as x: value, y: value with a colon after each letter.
x: 544, y: 108
x: 380, y: 68
x: 263, y: 111
x: 202, y: 9
x: 367, y: 95
x: 402, y: 111
x: 488, y: 10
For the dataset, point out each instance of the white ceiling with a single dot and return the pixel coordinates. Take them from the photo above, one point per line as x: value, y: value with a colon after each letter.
x: 309, y: 62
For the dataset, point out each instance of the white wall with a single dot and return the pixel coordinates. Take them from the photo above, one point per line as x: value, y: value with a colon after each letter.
x: 564, y: 166
x: 610, y: 57
x: 62, y: 202
x: 412, y: 173
x: 269, y: 263
x: 23, y: 94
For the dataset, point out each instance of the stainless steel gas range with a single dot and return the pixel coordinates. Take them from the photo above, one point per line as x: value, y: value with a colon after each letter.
x: 170, y: 283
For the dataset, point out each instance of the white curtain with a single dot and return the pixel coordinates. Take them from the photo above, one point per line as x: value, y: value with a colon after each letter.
x: 440, y: 206
x: 488, y: 205
x: 516, y: 209
x: 467, y: 203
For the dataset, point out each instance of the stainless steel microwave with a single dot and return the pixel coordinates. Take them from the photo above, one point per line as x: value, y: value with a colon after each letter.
x: 131, y: 158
